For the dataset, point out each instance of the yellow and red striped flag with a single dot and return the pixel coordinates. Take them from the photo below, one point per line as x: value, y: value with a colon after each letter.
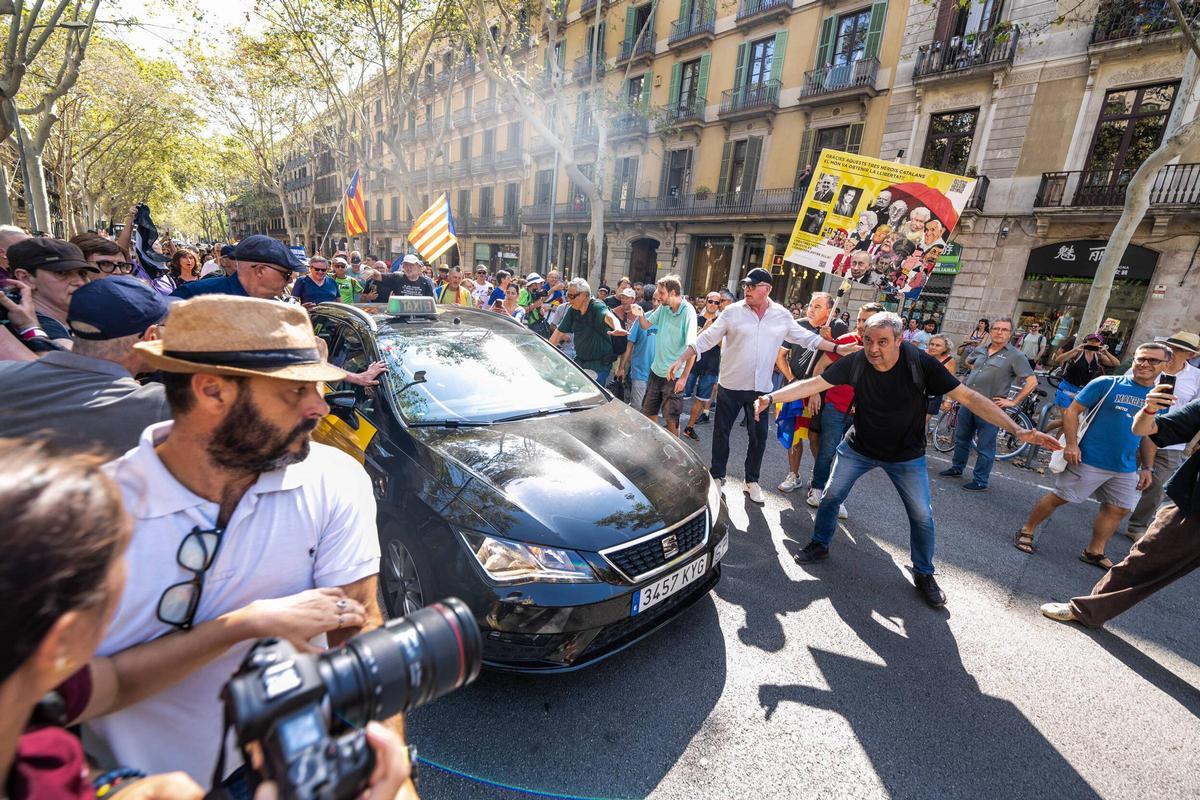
x: 356, y: 209
x: 433, y: 232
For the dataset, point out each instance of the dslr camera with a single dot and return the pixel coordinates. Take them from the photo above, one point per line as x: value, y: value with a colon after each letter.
x: 13, y: 294
x: 307, y: 711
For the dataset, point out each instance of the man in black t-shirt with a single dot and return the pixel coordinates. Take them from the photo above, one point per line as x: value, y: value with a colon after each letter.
x: 891, y: 383
x: 409, y: 281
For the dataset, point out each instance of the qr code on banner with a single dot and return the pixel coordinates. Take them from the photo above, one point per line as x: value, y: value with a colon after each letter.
x: 822, y: 264
x: 959, y: 185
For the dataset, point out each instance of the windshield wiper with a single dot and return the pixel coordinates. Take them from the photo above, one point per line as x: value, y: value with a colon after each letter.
x: 545, y: 412
x: 448, y: 423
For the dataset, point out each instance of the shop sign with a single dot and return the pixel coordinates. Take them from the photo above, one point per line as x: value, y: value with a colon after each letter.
x: 1160, y: 291
x: 1081, y: 257
x: 950, y: 261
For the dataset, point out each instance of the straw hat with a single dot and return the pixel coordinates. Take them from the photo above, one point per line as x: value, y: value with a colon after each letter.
x: 228, y: 335
x: 1182, y: 340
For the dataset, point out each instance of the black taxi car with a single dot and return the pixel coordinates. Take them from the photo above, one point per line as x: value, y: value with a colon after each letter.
x: 572, y: 525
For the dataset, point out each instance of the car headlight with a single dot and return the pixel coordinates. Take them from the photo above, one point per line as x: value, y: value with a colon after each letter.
x: 507, y: 562
x: 714, y: 500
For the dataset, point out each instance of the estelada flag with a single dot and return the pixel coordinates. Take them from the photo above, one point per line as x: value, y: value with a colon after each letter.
x: 356, y: 209
x: 433, y: 232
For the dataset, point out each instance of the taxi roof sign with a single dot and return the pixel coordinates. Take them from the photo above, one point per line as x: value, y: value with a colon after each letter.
x: 405, y: 306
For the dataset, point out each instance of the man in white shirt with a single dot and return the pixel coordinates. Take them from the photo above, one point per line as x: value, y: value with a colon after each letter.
x: 483, y: 287
x: 231, y: 503
x: 750, y: 333
x: 1167, y: 460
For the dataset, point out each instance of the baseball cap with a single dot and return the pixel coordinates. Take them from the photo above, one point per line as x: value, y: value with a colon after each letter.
x: 481, y: 268
x: 756, y: 276
x: 227, y: 250
x: 627, y: 292
x: 114, y: 307
x: 261, y: 249
x: 411, y: 259
x: 340, y: 260
x: 533, y: 277
x: 53, y: 255
x: 1094, y: 337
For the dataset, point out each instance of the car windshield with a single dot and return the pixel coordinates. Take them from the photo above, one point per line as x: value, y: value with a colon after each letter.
x: 480, y: 374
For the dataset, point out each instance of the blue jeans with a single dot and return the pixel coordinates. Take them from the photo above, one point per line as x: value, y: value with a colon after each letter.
x: 833, y: 427
x: 910, y: 479
x: 984, y: 433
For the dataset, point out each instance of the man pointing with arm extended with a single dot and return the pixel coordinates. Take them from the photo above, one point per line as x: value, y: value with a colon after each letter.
x: 751, y: 331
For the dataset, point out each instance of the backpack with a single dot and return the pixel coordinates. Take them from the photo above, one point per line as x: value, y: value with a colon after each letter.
x: 908, y: 353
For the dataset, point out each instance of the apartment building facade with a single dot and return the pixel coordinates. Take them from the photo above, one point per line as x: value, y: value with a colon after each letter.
x: 1054, y: 117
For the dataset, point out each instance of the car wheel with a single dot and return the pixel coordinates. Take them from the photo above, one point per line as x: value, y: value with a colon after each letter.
x: 401, y: 580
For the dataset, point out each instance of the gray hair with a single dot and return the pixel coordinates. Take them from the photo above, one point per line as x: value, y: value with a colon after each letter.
x: 826, y: 297
x: 885, y: 319
x: 580, y: 285
x: 946, y: 340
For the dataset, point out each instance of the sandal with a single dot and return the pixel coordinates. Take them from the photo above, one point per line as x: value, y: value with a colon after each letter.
x: 1095, y: 559
x: 1024, y: 541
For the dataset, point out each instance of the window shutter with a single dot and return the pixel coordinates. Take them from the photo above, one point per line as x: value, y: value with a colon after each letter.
x: 753, y: 156
x: 647, y: 85
x: 723, y: 183
x: 711, y: 9
x: 676, y: 77
x: 685, y: 11
x: 875, y: 29
x: 600, y: 52
x: 664, y: 174
x: 630, y: 21
x: 947, y: 15
x: 854, y: 138
x: 825, y: 48
x: 777, y: 56
x: 702, y: 83
x: 739, y: 72
x: 806, y: 154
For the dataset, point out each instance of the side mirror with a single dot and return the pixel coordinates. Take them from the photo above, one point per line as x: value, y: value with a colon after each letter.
x: 341, y: 405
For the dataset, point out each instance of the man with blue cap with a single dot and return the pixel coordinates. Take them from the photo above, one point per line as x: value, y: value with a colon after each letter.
x: 88, y: 398
x: 263, y: 269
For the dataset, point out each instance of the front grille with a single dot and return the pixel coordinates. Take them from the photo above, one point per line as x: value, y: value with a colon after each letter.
x: 638, y: 560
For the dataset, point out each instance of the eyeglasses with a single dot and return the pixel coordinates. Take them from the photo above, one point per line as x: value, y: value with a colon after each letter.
x: 320, y: 269
x: 712, y: 302
x: 197, y: 551
x: 573, y: 295
x: 1151, y: 361
x: 109, y: 267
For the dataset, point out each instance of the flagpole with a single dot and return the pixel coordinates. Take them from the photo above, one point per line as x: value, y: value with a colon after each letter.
x: 328, y: 228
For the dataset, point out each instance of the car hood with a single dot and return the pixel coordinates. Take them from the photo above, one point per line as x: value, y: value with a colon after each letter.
x: 586, y: 480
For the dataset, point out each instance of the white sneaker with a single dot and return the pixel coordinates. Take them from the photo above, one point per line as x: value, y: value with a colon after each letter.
x: 1059, y: 611
x: 843, y: 513
x: 790, y: 483
x: 754, y: 492
x: 814, y: 497
x: 720, y: 482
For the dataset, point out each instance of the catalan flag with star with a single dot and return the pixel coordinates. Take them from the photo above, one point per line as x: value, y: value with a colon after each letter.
x: 433, y: 232
x: 356, y: 209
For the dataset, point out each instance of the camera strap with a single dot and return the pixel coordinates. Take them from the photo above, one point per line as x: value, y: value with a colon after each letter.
x: 219, y: 771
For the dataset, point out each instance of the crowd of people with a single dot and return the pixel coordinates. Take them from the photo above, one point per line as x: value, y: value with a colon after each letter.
x: 155, y: 451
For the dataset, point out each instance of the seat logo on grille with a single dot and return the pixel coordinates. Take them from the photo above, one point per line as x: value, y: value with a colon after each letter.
x: 670, y: 546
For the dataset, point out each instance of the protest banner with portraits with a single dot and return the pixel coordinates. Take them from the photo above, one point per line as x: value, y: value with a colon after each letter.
x: 877, y: 223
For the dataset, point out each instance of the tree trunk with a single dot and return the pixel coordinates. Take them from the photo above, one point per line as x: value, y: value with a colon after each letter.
x: 37, y: 189
x: 6, y: 211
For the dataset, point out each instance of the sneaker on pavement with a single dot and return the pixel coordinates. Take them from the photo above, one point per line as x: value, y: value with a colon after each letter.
x: 754, y: 492
x: 929, y: 590
x: 814, y: 497
x: 813, y: 551
x: 1059, y: 611
x: 690, y: 433
x: 974, y: 486
x: 950, y: 472
x: 843, y: 513
x: 703, y: 419
x: 790, y: 483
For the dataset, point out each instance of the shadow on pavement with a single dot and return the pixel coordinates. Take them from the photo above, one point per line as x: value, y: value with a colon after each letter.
x: 921, y: 718
x: 613, y: 730
x: 1150, y: 670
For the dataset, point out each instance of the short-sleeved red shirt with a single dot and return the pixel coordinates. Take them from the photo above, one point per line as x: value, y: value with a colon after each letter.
x: 50, y: 764
x: 842, y: 397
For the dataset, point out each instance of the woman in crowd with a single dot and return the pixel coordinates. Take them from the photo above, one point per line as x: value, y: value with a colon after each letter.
x: 1080, y: 365
x: 104, y: 254
x: 512, y: 308
x: 62, y: 576
x: 942, y: 348
x: 185, y: 267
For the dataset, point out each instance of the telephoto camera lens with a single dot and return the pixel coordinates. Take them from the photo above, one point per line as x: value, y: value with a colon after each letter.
x: 405, y: 664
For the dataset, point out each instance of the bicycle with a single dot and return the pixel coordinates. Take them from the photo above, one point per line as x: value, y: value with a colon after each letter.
x: 1008, y: 446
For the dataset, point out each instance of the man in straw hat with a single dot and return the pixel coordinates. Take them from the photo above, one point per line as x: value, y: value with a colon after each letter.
x: 231, y: 504
x: 1167, y: 460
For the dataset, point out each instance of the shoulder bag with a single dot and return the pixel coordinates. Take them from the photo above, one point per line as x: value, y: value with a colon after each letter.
x: 1058, y: 461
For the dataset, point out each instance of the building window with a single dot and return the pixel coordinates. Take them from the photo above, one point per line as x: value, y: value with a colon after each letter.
x: 487, y: 207
x: 1130, y: 128
x: 464, y: 205
x: 762, y: 53
x: 625, y: 186
x: 514, y: 137
x: 464, y: 148
x: 851, y: 37
x: 677, y: 170
x: 739, y: 165
x: 689, y: 83
x: 395, y: 210
x: 543, y: 186
x: 489, y: 141
x: 948, y: 143
x: 634, y: 89
x: 512, y: 200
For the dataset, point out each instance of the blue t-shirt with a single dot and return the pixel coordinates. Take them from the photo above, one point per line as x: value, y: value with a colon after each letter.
x: 228, y: 284
x: 1110, y: 442
x: 306, y: 290
x: 497, y: 294
x: 642, y: 341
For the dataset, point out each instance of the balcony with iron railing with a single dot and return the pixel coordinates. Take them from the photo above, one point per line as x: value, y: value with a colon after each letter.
x: 783, y: 203
x: 630, y: 125
x: 582, y: 70
x: 687, y: 112
x: 638, y: 50
x: 1175, y: 185
x: 752, y: 12
x: 965, y: 55
x: 476, y: 225
x: 836, y: 82
x: 1121, y: 20
x: 698, y: 28
x: 540, y: 212
x: 751, y: 100
x: 507, y: 159
x: 586, y: 6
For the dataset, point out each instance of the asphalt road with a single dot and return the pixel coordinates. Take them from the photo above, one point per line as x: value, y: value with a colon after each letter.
x: 837, y: 681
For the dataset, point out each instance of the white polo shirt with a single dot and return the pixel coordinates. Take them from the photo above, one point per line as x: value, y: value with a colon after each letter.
x: 1187, y: 389
x: 751, y: 344
x: 305, y: 526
